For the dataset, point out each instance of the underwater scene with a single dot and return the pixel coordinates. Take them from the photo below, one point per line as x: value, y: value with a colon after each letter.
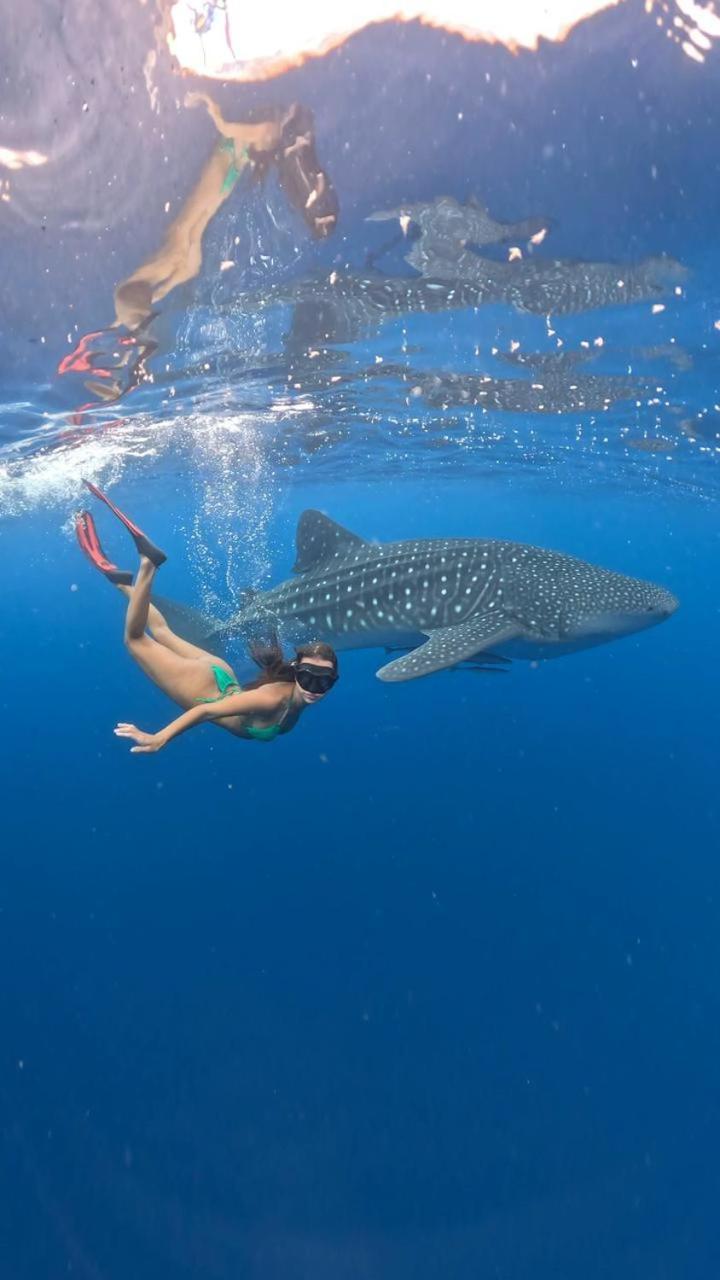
x: 360, y: 398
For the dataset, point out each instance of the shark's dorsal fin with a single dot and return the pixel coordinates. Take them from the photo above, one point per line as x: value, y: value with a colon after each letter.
x: 319, y: 539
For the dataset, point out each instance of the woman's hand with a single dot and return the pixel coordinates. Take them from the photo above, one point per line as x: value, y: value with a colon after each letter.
x: 145, y: 741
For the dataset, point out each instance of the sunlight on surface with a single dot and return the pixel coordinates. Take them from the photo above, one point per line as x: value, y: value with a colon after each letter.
x: 691, y: 26
x: 233, y: 42
x: 10, y: 158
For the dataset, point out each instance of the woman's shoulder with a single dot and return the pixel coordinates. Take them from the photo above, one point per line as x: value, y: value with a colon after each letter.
x: 272, y: 695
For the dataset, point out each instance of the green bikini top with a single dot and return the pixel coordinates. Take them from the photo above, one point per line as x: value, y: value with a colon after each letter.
x: 227, y: 684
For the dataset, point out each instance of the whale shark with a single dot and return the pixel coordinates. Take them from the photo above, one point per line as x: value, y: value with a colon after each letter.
x: 442, y: 251
x: 441, y: 601
x: 448, y: 222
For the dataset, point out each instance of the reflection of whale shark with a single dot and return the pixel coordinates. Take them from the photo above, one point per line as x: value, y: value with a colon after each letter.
x: 448, y: 600
x: 542, y: 286
x: 558, y: 388
x: 446, y: 221
x: 554, y: 287
x: 338, y: 308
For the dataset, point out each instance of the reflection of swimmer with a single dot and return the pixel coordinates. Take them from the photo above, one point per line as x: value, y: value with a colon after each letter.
x: 204, y: 685
x: 289, y: 144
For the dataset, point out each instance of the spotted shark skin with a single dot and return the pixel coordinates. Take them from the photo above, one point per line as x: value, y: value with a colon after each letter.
x: 447, y: 221
x: 551, y: 286
x: 561, y: 390
x: 338, y: 308
x: 536, y: 285
x: 449, y: 601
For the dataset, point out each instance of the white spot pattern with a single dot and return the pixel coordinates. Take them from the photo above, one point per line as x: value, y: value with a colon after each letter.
x: 452, y: 588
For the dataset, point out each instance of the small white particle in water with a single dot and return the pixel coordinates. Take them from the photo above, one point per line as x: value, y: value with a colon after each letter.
x: 73, y: 586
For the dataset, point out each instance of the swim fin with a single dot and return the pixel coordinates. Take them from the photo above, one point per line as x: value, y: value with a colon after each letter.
x: 90, y: 544
x: 142, y: 542
x: 307, y: 186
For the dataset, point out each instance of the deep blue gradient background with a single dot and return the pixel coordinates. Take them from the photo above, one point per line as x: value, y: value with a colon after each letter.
x: 429, y: 988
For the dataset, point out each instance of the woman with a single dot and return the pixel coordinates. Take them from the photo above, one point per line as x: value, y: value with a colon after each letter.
x: 204, y: 685
x: 287, y: 142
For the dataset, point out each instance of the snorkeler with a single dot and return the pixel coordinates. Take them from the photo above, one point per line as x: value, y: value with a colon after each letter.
x: 288, y: 143
x: 206, y: 687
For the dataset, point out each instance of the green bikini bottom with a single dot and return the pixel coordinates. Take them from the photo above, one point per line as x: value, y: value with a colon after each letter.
x: 227, y: 684
x: 233, y: 174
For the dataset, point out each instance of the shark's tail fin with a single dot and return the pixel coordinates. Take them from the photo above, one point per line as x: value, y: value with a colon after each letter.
x: 192, y: 624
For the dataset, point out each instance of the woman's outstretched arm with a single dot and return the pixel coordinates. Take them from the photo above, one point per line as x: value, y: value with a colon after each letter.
x: 262, y: 701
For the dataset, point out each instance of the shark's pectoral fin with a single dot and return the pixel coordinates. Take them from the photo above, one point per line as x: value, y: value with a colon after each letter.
x: 449, y: 645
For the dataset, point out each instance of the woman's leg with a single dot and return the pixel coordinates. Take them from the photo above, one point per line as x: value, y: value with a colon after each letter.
x: 182, y: 678
x: 264, y: 136
x: 158, y: 625
x: 180, y: 669
x: 179, y: 258
x: 138, y: 610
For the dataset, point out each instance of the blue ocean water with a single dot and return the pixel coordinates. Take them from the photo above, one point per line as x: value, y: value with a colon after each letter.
x: 428, y: 987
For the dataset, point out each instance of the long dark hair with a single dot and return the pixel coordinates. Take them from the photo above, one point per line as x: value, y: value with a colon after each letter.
x: 275, y: 668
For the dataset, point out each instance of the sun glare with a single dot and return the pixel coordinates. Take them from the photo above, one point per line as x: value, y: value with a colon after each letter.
x: 238, y: 42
